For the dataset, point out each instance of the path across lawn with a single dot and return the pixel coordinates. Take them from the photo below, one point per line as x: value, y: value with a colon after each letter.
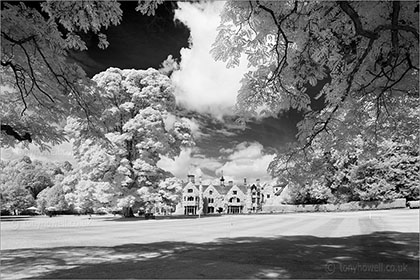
x: 368, y: 244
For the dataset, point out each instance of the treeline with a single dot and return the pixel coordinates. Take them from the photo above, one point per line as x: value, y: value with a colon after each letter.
x: 29, y: 183
x: 343, y: 176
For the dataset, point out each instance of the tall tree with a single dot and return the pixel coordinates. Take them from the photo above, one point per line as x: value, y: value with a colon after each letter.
x: 135, y: 106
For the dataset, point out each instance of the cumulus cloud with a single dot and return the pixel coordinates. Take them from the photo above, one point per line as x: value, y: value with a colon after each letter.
x: 247, y: 161
x: 203, y: 84
x: 195, y: 127
x: 170, y: 119
x: 190, y: 162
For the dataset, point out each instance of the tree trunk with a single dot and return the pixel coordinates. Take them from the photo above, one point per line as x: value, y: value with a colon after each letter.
x: 127, y: 212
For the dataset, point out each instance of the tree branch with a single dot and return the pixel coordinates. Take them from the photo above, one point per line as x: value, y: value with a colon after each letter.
x: 348, y: 9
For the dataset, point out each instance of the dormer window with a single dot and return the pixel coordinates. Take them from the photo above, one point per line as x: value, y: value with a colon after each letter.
x: 190, y: 190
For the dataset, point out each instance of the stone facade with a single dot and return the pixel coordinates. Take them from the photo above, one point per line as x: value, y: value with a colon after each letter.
x: 230, y: 198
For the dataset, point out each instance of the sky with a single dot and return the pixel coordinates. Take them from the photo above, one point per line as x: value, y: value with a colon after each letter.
x: 205, y: 90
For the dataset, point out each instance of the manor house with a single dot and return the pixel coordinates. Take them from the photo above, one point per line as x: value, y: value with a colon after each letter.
x: 227, y: 198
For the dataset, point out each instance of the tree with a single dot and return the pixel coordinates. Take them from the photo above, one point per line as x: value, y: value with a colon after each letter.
x: 25, y: 173
x: 135, y: 105
x: 17, y: 199
x: 34, y: 177
x: 169, y: 193
x: 394, y: 173
x: 41, y: 83
x: 364, y: 58
x: 367, y: 51
x: 52, y: 197
x: 357, y: 173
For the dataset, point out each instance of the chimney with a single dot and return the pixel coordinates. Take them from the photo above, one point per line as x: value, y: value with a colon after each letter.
x: 200, y: 180
x: 230, y: 183
x: 244, y: 181
x: 222, y: 180
x: 258, y: 182
x: 191, y: 178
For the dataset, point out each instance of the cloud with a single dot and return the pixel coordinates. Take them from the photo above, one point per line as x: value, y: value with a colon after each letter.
x: 195, y: 127
x: 194, y: 124
x: 190, y: 162
x: 226, y: 150
x: 247, y: 161
x: 203, y: 84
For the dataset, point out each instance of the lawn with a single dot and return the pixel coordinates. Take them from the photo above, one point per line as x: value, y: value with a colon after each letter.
x: 367, y: 244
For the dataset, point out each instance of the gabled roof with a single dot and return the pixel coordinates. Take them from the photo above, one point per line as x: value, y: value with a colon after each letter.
x: 281, y: 187
x: 189, y: 185
x: 221, y: 189
x: 242, y: 188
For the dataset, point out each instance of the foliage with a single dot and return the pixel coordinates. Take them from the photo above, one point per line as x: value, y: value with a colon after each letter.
x: 27, y: 174
x: 352, y: 175
x: 52, y: 197
x: 25, y: 182
x: 315, y: 193
x: 41, y: 86
x: 41, y: 83
x: 86, y: 195
x: 367, y: 56
x: 135, y: 106
x: 170, y: 192
x: 34, y: 181
x: 369, y: 64
x: 17, y: 199
x: 396, y: 173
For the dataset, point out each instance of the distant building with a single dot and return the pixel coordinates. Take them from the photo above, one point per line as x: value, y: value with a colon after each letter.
x: 222, y: 198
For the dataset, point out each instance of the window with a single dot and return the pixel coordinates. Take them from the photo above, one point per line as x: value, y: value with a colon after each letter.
x: 211, y: 200
x: 268, y: 196
x: 210, y: 192
x: 253, y: 200
x: 235, y: 192
x: 190, y: 198
x: 190, y: 190
x: 234, y: 199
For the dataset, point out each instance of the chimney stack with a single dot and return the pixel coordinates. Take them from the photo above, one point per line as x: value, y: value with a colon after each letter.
x: 230, y: 183
x: 191, y: 178
x: 244, y: 181
x: 222, y: 180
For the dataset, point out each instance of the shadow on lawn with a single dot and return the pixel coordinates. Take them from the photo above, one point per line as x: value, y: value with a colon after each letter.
x: 376, y: 255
